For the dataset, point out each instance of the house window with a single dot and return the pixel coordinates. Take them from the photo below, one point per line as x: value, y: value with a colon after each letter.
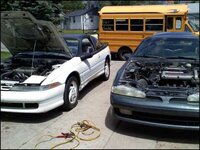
x: 74, y: 19
x: 91, y: 18
x: 136, y: 24
x: 154, y: 24
x: 122, y: 24
x: 108, y: 24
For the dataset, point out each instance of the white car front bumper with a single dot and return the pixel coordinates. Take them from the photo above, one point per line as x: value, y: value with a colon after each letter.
x: 32, y: 101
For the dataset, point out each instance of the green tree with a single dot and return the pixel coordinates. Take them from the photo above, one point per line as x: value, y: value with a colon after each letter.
x: 104, y: 3
x: 120, y: 2
x: 5, y: 5
x: 72, y: 5
x: 194, y: 1
x: 43, y: 10
x: 125, y: 2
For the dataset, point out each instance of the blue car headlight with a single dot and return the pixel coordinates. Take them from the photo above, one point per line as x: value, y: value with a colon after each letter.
x: 193, y: 97
x: 128, y: 91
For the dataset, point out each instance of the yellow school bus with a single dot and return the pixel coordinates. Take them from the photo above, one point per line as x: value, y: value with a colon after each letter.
x: 124, y: 27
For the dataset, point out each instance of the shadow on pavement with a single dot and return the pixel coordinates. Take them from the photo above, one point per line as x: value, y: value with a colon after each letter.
x: 31, y: 118
x: 89, y: 87
x: 115, y: 57
x: 152, y: 133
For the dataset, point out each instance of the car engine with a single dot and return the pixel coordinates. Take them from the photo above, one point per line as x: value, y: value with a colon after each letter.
x: 19, y: 69
x: 148, y: 74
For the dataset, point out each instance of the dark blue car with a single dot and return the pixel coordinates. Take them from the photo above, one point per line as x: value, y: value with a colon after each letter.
x: 159, y: 84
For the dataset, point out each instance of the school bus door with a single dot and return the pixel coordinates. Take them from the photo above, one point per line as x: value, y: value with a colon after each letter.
x: 174, y: 24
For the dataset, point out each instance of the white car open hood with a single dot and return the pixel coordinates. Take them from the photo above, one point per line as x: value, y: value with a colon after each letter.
x: 21, y: 32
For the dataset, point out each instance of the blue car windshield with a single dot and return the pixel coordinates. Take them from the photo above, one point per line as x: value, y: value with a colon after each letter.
x: 194, y: 26
x: 169, y: 48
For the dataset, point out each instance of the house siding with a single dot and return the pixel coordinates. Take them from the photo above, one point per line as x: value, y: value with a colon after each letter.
x: 88, y: 25
x: 75, y: 25
x: 82, y: 20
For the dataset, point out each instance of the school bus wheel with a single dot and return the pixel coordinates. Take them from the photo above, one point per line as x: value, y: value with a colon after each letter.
x: 122, y: 51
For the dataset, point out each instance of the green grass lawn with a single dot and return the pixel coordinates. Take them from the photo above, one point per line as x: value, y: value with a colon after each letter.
x: 71, y: 31
x: 74, y: 31
x: 5, y: 55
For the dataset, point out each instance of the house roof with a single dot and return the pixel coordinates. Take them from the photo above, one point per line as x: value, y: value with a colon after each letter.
x: 182, y: 8
x: 91, y: 11
x: 193, y: 8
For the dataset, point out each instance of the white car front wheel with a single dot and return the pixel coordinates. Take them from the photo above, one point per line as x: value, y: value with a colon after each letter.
x: 71, y: 93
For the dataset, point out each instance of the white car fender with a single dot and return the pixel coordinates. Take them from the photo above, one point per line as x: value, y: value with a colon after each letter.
x: 61, y: 74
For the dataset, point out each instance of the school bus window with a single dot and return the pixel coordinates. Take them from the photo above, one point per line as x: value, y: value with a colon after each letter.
x: 122, y: 24
x: 178, y: 23
x: 108, y: 24
x: 154, y: 25
x: 136, y: 24
x: 170, y: 23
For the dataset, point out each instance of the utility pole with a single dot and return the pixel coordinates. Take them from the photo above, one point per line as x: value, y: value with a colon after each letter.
x: 83, y: 23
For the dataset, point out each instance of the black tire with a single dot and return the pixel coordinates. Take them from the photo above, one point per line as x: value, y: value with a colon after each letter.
x: 106, y: 73
x: 71, y: 101
x: 123, y: 51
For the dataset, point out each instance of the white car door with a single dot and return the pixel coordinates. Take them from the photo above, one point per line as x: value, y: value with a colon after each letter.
x: 101, y: 54
x: 92, y: 62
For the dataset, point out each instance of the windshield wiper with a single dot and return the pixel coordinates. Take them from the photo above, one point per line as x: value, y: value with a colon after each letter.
x: 182, y: 57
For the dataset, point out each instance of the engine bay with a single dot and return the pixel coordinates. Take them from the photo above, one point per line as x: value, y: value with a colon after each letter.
x: 147, y: 75
x: 19, y: 69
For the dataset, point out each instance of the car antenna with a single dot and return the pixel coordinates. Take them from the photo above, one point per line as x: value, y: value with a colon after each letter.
x: 33, y: 56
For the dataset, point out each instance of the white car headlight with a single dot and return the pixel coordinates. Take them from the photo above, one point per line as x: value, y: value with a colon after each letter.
x: 193, y: 97
x: 128, y: 91
x: 50, y: 86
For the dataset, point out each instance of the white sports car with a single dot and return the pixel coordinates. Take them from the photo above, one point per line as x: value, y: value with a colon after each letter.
x: 46, y: 70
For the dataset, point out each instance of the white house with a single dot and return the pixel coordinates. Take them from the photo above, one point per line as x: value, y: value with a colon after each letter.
x: 84, y: 19
x: 3, y: 48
